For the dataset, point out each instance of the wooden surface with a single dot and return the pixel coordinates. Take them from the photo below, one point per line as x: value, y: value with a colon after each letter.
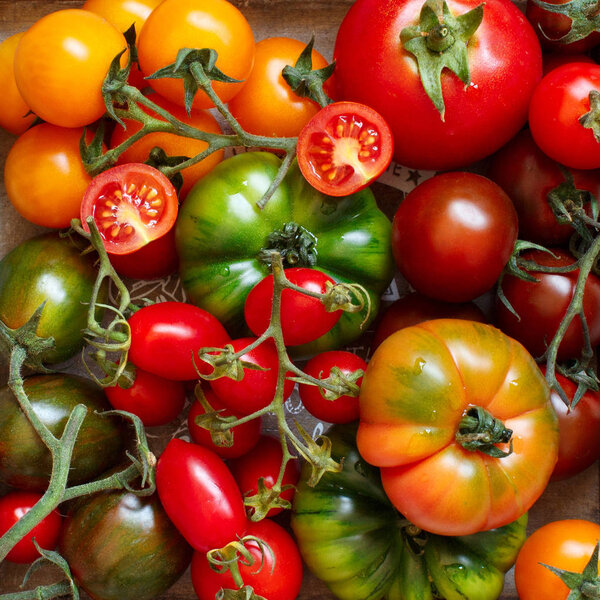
x: 575, y: 498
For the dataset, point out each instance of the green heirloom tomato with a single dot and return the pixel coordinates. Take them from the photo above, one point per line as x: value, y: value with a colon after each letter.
x: 49, y: 269
x: 221, y: 233
x: 352, y: 538
x: 25, y: 462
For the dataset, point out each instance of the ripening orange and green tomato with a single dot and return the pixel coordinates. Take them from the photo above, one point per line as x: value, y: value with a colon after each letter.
x: 266, y: 105
x: 61, y: 63
x: 429, y: 392
x: 13, y: 109
x: 173, y: 145
x: 215, y: 24
x: 44, y: 176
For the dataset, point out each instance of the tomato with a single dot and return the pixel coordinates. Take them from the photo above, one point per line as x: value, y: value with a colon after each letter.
x: 155, y: 260
x: 61, y: 63
x: 527, y: 175
x: 13, y: 110
x: 265, y: 461
x: 26, y: 463
x: 278, y: 578
x: 123, y: 13
x: 44, y: 177
x: 173, y: 145
x: 166, y: 336
x: 155, y: 400
x: 453, y: 234
x: 16, y: 505
x: 221, y: 260
x: 49, y: 269
x: 245, y: 436
x: 505, y: 63
x: 541, y: 306
x: 215, y: 24
x: 266, y: 105
x: 132, y: 205
x: 566, y: 545
x: 200, y: 495
x: 428, y: 391
x: 557, y: 105
x: 257, y: 388
x: 343, y: 409
x: 121, y: 546
x: 303, y: 318
x: 344, y: 147
x: 352, y: 538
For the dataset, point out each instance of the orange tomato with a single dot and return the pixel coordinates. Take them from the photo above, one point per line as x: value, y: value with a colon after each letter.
x: 215, y: 24
x: 12, y: 106
x: 61, y: 63
x: 173, y: 145
x: 44, y: 176
x: 266, y: 104
x: 123, y: 13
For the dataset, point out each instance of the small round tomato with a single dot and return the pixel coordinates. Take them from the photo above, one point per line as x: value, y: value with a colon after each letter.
x: 132, y: 205
x: 266, y: 105
x: 166, y: 336
x: 61, y: 63
x: 265, y: 461
x: 344, y: 147
x: 44, y: 176
x: 257, y: 388
x: 245, y: 436
x: 122, y: 14
x: 303, y: 318
x: 200, y: 495
x: 173, y: 145
x: 13, y: 109
x: 453, y: 234
x: 155, y: 400
x: 558, y: 103
x: 566, y: 545
x: 542, y: 305
x: 16, y: 505
x: 215, y: 24
x: 343, y: 409
x: 279, y: 577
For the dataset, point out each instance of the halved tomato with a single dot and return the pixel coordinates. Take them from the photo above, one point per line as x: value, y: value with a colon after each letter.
x: 132, y: 205
x: 344, y: 147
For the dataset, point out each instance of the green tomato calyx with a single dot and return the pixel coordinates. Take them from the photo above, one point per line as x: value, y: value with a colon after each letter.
x: 584, y: 16
x: 479, y: 431
x: 591, y: 119
x: 438, y: 41
x: 584, y: 585
x: 296, y: 245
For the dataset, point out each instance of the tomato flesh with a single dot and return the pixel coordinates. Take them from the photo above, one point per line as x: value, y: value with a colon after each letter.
x: 132, y: 205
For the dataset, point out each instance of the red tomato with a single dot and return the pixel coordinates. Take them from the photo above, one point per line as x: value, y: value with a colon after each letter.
x: 61, y: 63
x: 343, y: 148
x: 303, y: 318
x: 372, y: 67
x: 155, y: 400
x: 343, y: 409
x: 566, y: 545
x: 245, y: 436
x: 265, y: 461
x: 200, y: 495
x: 452, y: 236
x: 156, y: 259
x: 215, y: 24
x: 132, y: 205
x: 541, y: 306
x: 559, y: 101
x: 13, y: 507
x: 527, y: 175
x: 279, y: 578
x: 257, y: 388
x: 165, y: 339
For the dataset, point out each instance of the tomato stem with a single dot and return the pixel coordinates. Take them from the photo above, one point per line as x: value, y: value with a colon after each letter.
x: 479, y: 431
x: 48, y: 592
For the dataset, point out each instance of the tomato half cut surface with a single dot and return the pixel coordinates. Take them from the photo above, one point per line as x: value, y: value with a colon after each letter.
x: 344, y: 147
x: 132, y: 205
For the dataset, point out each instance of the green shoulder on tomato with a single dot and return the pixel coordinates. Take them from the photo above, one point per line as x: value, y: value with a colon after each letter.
x: 221, y: 232
x: 352, y: 538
